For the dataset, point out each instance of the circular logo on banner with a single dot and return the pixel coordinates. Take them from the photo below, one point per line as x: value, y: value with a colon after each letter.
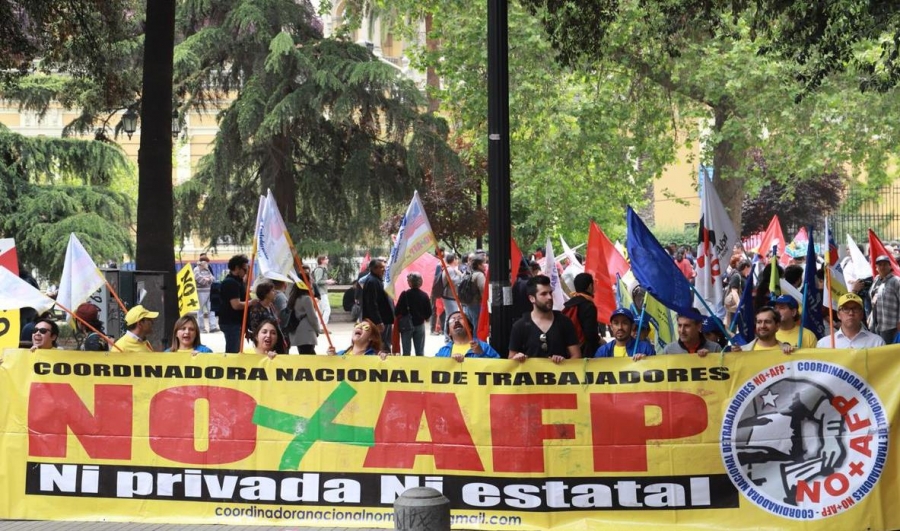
x: 805, y: 440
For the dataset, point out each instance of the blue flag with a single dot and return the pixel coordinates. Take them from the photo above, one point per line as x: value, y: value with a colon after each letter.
x: 812, y: 295
x: 746, y: 313
x: 655, y: 269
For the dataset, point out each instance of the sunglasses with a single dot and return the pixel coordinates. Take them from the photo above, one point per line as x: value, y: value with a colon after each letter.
x: 544, y: 346
x: 363, y: 327
x: 41, y: 331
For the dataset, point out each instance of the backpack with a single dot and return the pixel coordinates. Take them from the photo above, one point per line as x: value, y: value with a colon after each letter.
x: 572, y: 313
x: 215, y: 297
x: 467, y: 289
x: 293, y: 322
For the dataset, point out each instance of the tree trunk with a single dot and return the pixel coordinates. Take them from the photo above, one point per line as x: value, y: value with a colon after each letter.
x: 155, y: 217
x: 432, y: 80
x: 727, y: 177
x: 284, y: 187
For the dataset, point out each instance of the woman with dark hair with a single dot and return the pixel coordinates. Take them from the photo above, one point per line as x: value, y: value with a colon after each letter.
x: 186, y: 337
x: 365, y: 341
x: 414, y: 306
x: 44, y: 334
x: 90, y: 314
x: 301, y: 321
x: 267, y: 339
x: 262, y: 307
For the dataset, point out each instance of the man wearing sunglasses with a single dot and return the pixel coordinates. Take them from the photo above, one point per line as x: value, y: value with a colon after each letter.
x: 543, y: 333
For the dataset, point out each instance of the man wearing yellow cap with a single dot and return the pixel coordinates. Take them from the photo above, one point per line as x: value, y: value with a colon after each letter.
x: 139, y: 325
x: 851, y: 334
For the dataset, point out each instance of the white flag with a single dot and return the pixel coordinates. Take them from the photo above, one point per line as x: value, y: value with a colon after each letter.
x: 15, y: 294
x: 715, y: 245
x: 273, y: 254
x: 80, y: 277
x: 550, y: 269
x: 861, y: 267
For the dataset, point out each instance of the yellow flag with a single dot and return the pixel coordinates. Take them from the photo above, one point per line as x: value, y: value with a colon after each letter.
x: 662, y: 319
x: 187, y: 291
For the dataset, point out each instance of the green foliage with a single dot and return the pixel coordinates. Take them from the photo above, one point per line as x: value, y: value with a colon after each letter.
x: 52, y: 187
x: 334, y: 132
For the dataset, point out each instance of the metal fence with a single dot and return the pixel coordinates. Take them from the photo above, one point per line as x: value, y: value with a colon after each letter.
x: 882, y: 216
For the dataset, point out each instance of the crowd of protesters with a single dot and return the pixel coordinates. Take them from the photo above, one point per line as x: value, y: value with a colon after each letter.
x: 283, y: 319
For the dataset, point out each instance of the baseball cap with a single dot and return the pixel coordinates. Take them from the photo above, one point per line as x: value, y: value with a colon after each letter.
x: 882, y: 258
x: 137, y: 313
x: 788, y: 301
x: 622, y: 311
x: 848, y: 298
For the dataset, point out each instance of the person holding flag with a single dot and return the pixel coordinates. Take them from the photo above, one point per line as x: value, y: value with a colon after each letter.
x: 139, y: 326
x: 621, y: 323
x: 767, y: 321
x: 789, y: 324
x: 690, y: 338
x: 851, y: 334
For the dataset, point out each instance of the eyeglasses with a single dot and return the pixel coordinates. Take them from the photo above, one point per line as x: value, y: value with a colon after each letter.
x: 41, y: 331
x: 853, y: 309
x: 364, y: 327
x: 544, y: 346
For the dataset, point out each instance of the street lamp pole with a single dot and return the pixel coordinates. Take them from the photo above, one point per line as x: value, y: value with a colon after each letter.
x: 499, y: 230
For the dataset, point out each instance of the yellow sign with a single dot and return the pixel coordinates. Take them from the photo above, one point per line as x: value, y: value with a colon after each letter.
x: 188, y: 300
x: 759, y: 440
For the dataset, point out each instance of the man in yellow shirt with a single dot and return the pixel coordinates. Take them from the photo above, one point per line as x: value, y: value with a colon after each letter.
x: 139, y: 325
x: 767, y: 320
x: 789, y: 327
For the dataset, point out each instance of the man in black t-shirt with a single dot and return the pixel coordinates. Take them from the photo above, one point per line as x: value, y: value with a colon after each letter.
x: 233, y: 296
x: 543, y: 333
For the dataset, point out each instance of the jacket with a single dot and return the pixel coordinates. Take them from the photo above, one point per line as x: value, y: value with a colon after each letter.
x: 643, y: 347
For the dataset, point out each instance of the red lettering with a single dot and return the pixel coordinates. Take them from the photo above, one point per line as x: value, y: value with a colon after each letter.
x: 856, y: 468
x: 842, y: 484
x: 855, y: 423
x: 398, y: 426
x: 803, y: 491
x: 842, y: 405
x: 620, y: 433
x: 232, y: 434
x: 861, y: 445
x: 518, y: 431
x: 55, y: 408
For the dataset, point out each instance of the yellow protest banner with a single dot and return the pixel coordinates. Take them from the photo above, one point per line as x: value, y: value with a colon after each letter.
x: 188, y: 301
x: 747, y: 441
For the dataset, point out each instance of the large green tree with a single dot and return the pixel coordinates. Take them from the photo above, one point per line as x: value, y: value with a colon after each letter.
x: 335, y: 133
x: 51, y: 187
x: 740, y: 98
x: 81, y: 55
x: 582, y: 145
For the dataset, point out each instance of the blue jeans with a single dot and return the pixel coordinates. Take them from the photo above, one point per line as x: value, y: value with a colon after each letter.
x: 416, y: 336
x: 232, y: 334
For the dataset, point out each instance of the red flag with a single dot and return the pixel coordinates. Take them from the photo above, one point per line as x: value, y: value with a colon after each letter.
x: 774, y: 237
x: 615, y: 262
x: 597, y: 265
x: 365, y: 263
x: 515, y: 260
x: 483, y: 326
x: 876, y: 249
